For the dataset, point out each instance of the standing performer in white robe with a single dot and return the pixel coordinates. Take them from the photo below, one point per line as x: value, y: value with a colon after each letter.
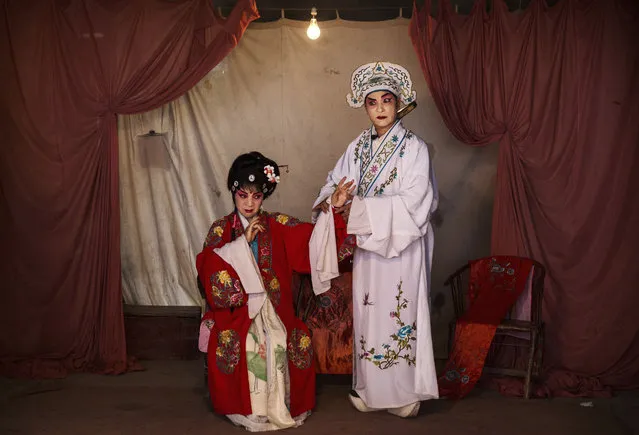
x: 390, y: 216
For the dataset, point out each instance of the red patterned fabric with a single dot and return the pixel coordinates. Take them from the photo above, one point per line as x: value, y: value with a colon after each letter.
x: 495, y: 284
x: 329, y: 316
x: 330, y: 319
x: 282, y: 250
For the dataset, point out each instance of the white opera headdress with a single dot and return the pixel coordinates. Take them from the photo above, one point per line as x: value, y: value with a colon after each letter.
x: 380, y: 76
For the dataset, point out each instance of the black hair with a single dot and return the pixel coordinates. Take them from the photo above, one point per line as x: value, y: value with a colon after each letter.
x: 254, y: 171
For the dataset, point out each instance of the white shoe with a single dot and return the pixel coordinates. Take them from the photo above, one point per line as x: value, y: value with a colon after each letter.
x: 408, y: 411
x: 359, y: 404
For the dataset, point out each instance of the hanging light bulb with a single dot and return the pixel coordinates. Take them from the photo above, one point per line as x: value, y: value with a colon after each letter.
x: 313, y: 31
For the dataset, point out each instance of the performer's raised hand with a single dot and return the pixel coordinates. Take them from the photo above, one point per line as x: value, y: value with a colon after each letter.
x: 343, y: 193
x: 254, y: 227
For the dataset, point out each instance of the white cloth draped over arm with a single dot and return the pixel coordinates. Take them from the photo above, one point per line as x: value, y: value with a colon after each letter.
x: 239, y: 256
x: 388, y: 224
x: 323, y: 253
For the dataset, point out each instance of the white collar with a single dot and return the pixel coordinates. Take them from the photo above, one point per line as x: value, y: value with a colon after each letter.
x: 244, y: 221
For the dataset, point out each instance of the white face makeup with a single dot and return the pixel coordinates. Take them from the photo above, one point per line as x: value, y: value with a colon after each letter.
x: 248, y: 202
x: 381, y: 107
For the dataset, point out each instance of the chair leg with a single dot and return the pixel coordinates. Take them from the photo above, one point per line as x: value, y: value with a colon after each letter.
x: 539, y: 358
x: 531, y: 363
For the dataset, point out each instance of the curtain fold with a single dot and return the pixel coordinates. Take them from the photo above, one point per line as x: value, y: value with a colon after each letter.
x: 558, y: 88
x: 68, y: 67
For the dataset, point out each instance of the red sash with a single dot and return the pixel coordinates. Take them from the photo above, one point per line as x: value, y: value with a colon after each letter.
x: 495, y: 285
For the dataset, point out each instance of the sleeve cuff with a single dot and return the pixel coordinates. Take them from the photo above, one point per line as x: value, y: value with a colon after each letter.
x: 358, y: 221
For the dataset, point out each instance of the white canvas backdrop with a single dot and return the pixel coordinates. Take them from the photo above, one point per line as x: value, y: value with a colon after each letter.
x: 284, y: 95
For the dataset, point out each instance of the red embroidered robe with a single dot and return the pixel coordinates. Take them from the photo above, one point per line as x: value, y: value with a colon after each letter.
x: 282, y: 249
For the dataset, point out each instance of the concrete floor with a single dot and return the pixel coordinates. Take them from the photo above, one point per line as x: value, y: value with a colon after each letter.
x: 167, y: 398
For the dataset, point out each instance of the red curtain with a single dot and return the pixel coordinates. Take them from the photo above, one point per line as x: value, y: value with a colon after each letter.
x: 558, y: 88
x: 68, y: 67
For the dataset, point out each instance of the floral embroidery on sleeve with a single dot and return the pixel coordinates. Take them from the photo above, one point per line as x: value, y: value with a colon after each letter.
x: 285, y: 220
x: 226, y: 291
x: 214, y: 236
x: 227, y: 353
x: 300, y: 351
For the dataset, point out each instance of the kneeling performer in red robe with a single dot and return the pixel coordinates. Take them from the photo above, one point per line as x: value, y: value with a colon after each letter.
x: 260, y: 358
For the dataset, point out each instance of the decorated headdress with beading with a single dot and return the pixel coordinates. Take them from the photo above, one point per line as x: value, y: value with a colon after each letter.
x: 254, y: 169
x: 380, y: 76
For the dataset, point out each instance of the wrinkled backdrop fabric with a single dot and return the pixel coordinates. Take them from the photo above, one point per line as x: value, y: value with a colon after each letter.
x: 284, y: 95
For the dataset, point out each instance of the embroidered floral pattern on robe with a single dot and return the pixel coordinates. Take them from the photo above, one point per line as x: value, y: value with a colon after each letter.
x: 300, y: 351
x: 226, y: 291
x: 214, y: 236
x: 227, y: 353
x: 369, y: 172
x: 239, y: 346
x: 392, y: 354
x: 272, y: 285
x: 372, y: 165
x: 363, y: 141
x: 392, y: 176
x: 284, y: 219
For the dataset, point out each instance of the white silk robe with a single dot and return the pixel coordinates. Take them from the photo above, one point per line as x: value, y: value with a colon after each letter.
x: 396, y: 196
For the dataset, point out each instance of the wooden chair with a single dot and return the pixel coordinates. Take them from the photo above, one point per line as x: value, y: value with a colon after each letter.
x: 459, y: 284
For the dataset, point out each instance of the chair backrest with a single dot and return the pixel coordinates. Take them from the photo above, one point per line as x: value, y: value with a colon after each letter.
x: 463, y: 287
